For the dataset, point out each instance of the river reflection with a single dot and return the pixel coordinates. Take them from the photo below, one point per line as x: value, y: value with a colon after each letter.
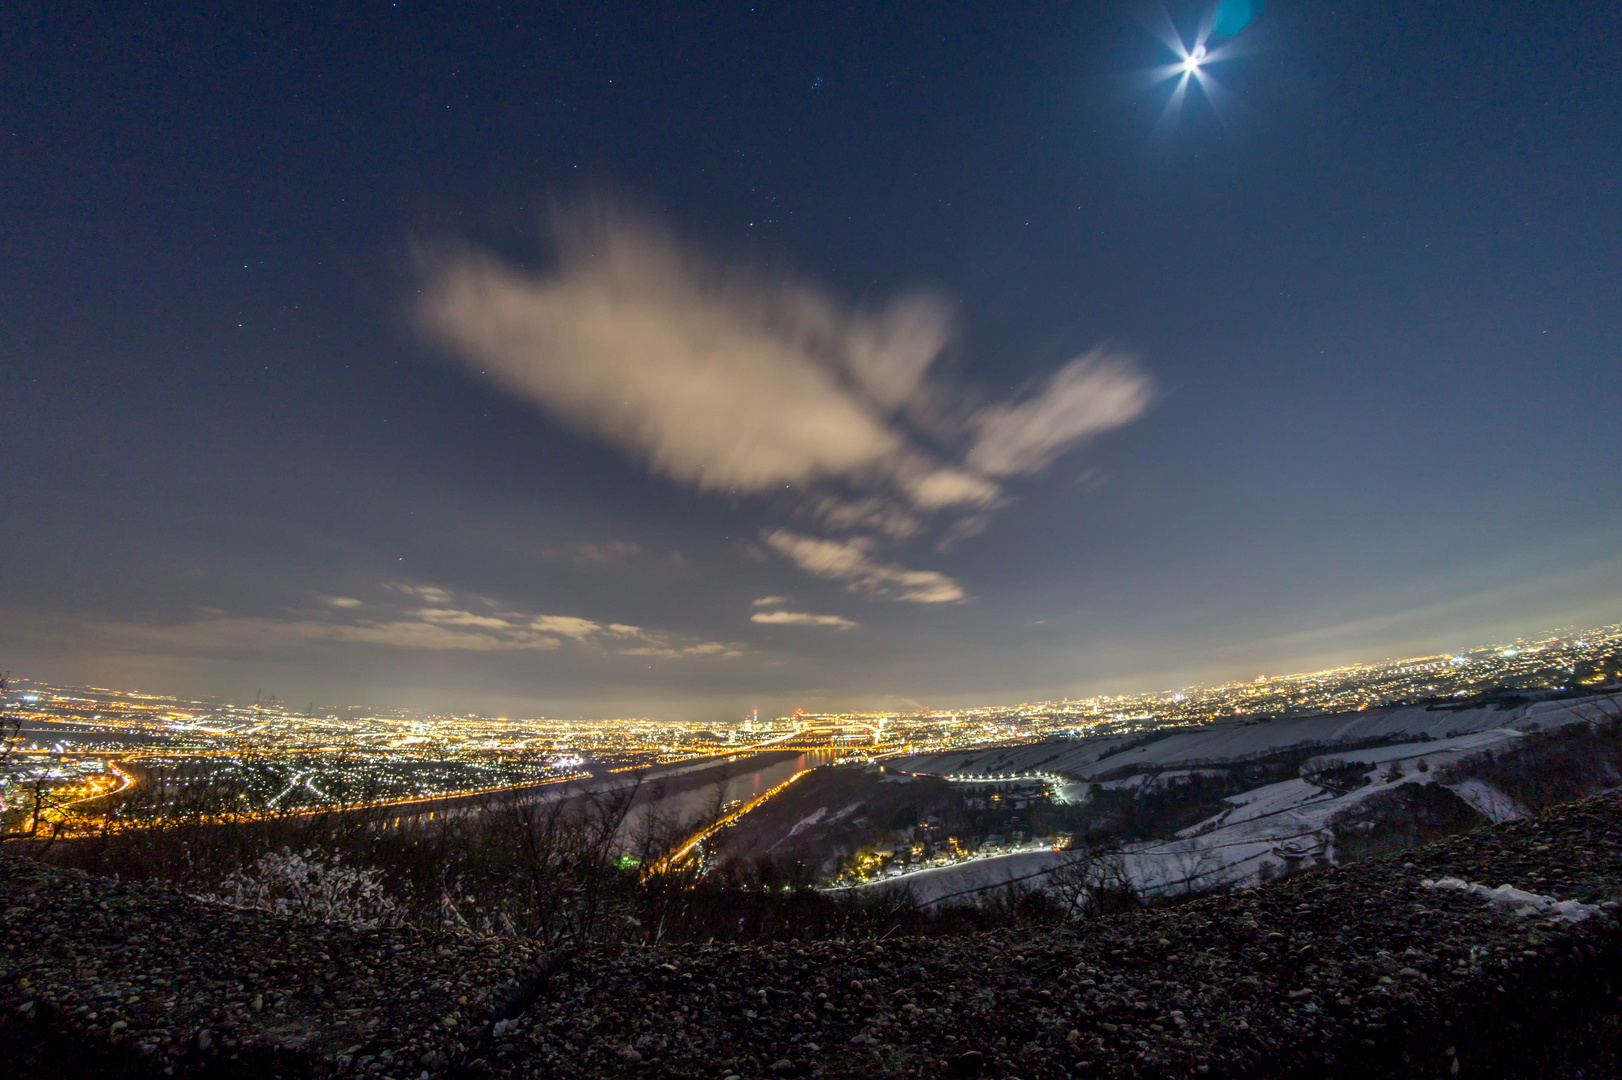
x: 680, y: 801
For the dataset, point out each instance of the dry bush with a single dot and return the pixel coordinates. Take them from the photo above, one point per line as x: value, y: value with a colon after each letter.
x: 559, y: 864
x: 1092, y: 881
x: 1548, y: 768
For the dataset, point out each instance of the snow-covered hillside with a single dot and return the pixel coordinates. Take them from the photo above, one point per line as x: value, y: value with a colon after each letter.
x: 1268, y: 829
x: 1090, y: 759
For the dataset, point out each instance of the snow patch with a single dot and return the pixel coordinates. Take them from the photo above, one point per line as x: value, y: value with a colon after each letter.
x: 803, y: 824
x: 845, y: 813
x: 1488, y: 800
x: 1508, y: 898
x: 811, y: 819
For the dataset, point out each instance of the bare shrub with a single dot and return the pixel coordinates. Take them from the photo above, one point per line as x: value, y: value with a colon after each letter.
x: 1092, y: 881
x: 1547, y: 768
x: 292, y: 883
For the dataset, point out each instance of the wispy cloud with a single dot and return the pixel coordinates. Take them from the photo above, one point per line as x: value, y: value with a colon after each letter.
x: 850, y: 561
x: 719, y: 380
x: 226, y: 633
x: 767, y: 601
x: 871, y: 515
x: 431, y: 593
x: 708, y: 380
x: 447, y: 626
x: 801, y: 618
x: 669, y: 652
x: 607, y: 552
x: 1090, y: 394
x: 568, y: 626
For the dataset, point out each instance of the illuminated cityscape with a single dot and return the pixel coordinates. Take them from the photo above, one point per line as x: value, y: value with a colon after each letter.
x: 1570, y: 659
x: 562, y: 541
x: 84, y: 740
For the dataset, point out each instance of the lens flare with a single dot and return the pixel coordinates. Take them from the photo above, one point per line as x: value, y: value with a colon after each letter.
x: 1192, y: 65
x: 1232, y: 16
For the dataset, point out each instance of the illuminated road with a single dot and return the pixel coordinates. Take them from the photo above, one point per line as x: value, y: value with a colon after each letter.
x: 126, y: 781
x: 679, y: 853
x: 955, y: 863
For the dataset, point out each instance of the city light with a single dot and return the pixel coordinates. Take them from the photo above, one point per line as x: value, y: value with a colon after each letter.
x: 90, y: 744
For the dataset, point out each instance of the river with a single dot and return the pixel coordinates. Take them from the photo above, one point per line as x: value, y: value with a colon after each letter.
x: 672, y: 803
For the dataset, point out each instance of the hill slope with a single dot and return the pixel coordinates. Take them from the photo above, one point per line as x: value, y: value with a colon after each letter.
x: 1363, y: 970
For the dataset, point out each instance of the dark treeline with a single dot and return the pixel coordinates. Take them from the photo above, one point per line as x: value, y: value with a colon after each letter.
x: 1552, y: 767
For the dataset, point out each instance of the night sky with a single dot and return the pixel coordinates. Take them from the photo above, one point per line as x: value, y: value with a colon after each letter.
x: 677, y: 360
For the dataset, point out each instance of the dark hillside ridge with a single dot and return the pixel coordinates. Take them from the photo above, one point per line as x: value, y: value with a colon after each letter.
x: 1356, y: 971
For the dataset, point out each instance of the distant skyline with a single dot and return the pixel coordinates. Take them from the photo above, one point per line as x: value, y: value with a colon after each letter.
x: 1599, y: 641
x: 611, y: 362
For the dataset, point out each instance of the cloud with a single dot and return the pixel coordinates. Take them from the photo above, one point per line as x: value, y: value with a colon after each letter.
x: 413, y: 634
x: 341, y: 601
x: 766, y: 601
x: 801, y: 618
x: 727, y: 382
x: 442, y: 627
x: 873, y: 514
x: 610, y: 551
x: 257, y: 635
x: 566, y: 625
x: 951, y: 487
x: 849, y: 561
x: 430, y: 593
x: 706, y: 648
x: 889, y: 356
x: 454, y: 617
x: 1090, y: 394
x: 710, y: 381
x: 962, y: 529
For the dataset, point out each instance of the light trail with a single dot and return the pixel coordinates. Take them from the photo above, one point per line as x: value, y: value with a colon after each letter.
x: 710, y: 830
x: 966, y: 860
x: 124, y: 786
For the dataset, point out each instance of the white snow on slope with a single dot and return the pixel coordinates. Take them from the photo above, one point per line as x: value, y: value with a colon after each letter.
x: 1240, y: 741
x: 1515, y: 901
x: 1278, y: 825
x: 846, y: 812
x: 800, y: 826
x: 1436, y: 753
x: 1488, y: 800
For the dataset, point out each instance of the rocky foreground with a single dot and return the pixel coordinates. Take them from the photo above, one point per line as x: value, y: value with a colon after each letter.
x: 1360, y: 971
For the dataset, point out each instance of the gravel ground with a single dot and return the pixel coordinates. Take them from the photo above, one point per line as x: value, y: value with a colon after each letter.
x: 1357, y: 971
x: 159, y: 978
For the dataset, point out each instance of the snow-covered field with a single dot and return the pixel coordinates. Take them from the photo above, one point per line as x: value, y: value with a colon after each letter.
x: 1280, y: 825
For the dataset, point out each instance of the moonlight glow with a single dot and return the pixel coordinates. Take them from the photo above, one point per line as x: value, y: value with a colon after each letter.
x: 1193, y: 60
